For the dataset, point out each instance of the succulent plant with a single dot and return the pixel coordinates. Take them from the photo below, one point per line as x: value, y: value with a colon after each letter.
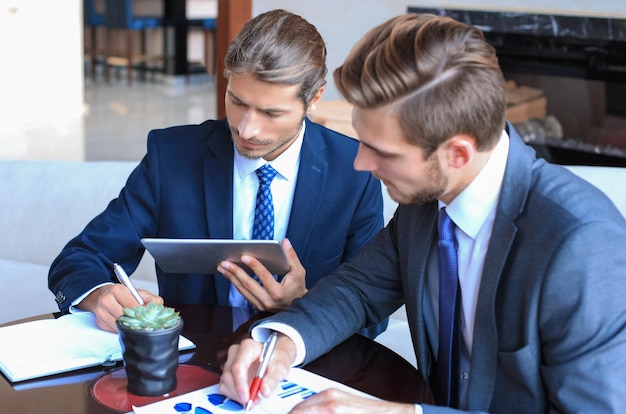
x: 150, y: 317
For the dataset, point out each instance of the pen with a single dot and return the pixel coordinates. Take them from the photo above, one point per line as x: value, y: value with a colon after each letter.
x: 266, y: 354
x: 125, y: 280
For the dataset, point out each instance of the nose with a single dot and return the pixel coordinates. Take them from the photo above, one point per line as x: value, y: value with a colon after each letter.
x: 363, y: 162
x: 248, y: 127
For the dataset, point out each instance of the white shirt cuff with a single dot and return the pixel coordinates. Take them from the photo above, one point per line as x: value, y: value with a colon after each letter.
x: 418, y: 409
x: 262, y: 331
x: 73, y: 306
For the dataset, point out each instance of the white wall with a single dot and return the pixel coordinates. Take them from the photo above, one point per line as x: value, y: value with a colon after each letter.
x: 343, y: 22
x: 41, y: 79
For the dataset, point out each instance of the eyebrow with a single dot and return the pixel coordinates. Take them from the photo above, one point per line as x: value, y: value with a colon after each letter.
x: 377, y: 150
x: 282, y: 110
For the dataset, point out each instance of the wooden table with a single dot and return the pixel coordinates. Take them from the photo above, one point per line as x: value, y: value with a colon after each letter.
x: 358, y: 362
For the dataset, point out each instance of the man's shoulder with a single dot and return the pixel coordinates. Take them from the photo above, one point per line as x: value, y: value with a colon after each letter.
x: 204, y: 129
x: 330, y: 135
x: 330, y: 144
x: 556, y: 189
x: 211, y: 134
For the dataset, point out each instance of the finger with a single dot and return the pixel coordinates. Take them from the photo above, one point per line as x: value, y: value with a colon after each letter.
x: 327, y: 401
x: 150, y: 297
x: 259, y: 270
x: 109, y: 308
x: 105, y: 321
x: 239, y: 369
x: 275, y: 373
x: 290, y: 252
x: 118, y: 297
x: 244, y: 283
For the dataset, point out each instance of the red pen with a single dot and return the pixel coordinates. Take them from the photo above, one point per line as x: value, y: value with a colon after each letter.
x: 266, y: 354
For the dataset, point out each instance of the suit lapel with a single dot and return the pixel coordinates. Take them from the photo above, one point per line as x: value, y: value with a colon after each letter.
x: 309, y: 190
x: 515, y: 187
x: 419, y: 236
x: 218, y: 195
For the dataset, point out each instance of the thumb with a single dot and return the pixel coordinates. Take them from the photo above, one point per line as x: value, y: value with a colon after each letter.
x: 290, y: 252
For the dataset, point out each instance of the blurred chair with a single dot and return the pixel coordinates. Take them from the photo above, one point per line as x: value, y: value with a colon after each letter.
x: 92, y: 20
x: 119, y: 15
x: 207, y: 25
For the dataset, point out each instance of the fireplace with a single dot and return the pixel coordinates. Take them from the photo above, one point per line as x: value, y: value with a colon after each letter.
x: 575, y: 66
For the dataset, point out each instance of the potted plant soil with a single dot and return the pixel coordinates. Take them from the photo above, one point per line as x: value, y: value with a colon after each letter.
x: 149, y: 339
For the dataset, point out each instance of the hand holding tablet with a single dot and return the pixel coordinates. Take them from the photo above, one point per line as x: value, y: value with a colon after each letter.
x: 203, y: 255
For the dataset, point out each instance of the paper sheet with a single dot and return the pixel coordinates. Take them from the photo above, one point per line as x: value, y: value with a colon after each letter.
x: 297, y: 387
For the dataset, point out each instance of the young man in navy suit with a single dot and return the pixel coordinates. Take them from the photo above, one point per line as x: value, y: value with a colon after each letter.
x: 536, y: 254
x: 199, y: 181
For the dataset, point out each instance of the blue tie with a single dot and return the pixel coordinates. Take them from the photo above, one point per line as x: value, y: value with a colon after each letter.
x: 263, y: 228
x: 447, y: 356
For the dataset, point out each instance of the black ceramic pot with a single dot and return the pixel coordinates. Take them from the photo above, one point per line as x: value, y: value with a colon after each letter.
x: 150, y: 359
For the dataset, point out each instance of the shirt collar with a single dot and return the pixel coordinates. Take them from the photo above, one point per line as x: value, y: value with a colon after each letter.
x: 286, y: 164
x: 472, y: 208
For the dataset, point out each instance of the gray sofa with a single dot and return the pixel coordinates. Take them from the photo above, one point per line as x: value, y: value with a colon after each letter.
x: 43, y: 204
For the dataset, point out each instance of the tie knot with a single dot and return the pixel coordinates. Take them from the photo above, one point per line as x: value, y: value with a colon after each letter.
x: 266, y: 174
x: 445, y: 226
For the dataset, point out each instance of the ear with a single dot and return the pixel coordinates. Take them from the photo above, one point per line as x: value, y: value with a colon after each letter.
x: 460, y: 150
x: 316, y: 99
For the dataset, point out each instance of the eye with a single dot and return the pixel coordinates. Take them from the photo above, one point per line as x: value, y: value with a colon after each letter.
x: 235, y: 101
x: 385, y: 155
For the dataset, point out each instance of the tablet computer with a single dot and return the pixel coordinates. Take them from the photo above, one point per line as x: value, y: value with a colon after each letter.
x: 203, y: 255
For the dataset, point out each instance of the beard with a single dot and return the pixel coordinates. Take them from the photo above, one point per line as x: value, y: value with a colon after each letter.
x: 437, y: 184
x: 279, y: 144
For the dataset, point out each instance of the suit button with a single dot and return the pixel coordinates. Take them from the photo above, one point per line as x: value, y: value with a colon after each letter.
x: 60, y: 297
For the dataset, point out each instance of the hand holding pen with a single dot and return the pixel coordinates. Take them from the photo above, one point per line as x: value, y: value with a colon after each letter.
x: 125, y: 280
x: 266, y: 354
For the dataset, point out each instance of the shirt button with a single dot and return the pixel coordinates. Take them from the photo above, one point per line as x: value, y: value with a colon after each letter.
x: 464, y: 375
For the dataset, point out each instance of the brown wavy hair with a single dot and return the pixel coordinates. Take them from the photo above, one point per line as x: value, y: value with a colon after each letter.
x: 439, y: 76
x: 282, y: 48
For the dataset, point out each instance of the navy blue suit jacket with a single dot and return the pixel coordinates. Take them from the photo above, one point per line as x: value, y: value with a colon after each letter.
x: 183, y: 188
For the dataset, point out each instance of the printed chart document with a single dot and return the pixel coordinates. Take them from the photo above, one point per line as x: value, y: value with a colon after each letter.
x: 297, y: 387
x: 51, y: 346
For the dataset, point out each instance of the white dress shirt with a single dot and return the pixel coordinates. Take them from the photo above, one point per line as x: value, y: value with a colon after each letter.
x: 245, y: 187
x: 473, y: 212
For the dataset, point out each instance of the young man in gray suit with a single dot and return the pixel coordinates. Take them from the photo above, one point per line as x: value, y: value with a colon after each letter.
x: 199, y: 181
x: 536, y: 256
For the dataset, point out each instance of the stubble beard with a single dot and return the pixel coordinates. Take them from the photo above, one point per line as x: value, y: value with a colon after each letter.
x: 438, y: 183
x: 255, y: 154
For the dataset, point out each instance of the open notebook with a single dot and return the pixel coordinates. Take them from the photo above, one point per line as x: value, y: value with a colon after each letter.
x: 51, y: 346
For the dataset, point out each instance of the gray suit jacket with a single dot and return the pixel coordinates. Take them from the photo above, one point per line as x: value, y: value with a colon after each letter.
x: 550, y: 329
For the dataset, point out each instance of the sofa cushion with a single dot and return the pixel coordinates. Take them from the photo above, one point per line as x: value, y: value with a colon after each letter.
x: 43, y: 204
x: 611, y: 180
x: 24, y: 290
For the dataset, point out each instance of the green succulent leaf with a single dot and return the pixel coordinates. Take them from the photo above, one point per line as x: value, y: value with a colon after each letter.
x: 151, y: 317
